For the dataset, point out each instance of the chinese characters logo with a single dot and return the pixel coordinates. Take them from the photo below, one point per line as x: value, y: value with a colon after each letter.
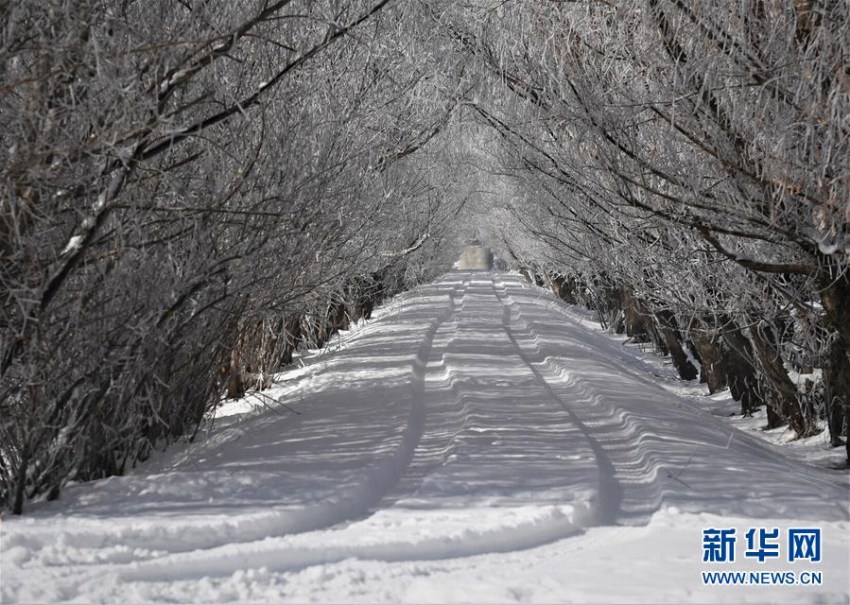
x: 800, y: 544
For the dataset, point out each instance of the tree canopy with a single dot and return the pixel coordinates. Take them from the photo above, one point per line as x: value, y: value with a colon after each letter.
x: 191, y: 190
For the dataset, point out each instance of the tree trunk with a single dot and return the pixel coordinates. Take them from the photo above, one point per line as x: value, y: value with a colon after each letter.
x: 713, y: 366
x: 634, y: 316
x: 835, y: 298
x: 783, y: 395
x: 670, y: 330
x: 20, y: 485
x: 741, y: 370
x: 291, y: 335
x: 564, y: 287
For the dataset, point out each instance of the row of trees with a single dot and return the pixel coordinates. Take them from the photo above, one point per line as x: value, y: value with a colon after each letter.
x: 684, y: 168
x: 190, y: 190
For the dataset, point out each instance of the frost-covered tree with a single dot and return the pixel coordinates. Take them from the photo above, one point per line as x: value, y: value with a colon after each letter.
x: 187, y: 190
x: 687, y: 159
x: 190, y: 190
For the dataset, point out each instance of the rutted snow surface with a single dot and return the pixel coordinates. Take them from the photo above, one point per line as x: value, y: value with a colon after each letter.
x: 475, y: 443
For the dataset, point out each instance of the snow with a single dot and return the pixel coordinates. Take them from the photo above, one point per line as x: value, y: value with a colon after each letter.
x: 478, y: 441
x: 814, y: 450
x: 100, y: 204
x: 73, y: 245
x: 828, y: 249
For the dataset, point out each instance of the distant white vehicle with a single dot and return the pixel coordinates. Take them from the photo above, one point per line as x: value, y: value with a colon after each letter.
x: 475, y: 258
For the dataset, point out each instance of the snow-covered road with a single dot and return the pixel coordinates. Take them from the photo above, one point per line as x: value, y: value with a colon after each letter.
x: 476, y: 442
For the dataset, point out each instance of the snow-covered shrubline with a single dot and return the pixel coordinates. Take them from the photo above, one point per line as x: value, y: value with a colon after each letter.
x: 474, y: 443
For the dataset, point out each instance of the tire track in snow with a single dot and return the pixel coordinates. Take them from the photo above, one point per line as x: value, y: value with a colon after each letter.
x: 458, y: 415
x: 503, y: 525
x: 463, y: 404
x: 172, y: 538
x: 662, y: 450
x: 438, y: 437
x: 530, y: 529
x: 434, y: 447
x: 636, y: 470
x: 428, y: 363
x: 610, y: 494
x: 356, y: 505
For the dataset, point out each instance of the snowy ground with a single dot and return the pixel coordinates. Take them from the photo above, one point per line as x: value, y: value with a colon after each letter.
x: 477, y: 442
